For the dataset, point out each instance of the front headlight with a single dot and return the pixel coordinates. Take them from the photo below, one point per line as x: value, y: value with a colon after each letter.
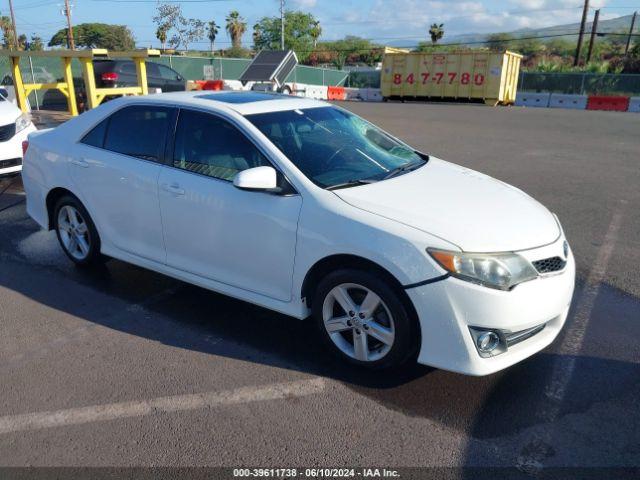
x: 22, y: 122
x: 501, y: 270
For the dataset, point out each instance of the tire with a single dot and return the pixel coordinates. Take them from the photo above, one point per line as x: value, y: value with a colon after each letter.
x: 69, y: 232
x: 285, y: 90
x: 388, y: 337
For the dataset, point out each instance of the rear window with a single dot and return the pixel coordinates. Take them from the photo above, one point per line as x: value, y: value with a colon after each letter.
x: 138, y: 131
x: 95, y: 137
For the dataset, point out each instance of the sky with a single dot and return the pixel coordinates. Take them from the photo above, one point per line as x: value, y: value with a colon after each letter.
x: 383, y: 21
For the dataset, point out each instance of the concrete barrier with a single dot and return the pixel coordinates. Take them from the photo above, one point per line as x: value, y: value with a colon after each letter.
x: 561, y: 100
x: 372, y: 94
x: 634, y: 105
x: 530, y: 99
x: 613, y: 103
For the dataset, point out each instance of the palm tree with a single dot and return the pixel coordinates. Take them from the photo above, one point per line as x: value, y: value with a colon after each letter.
x: 316, y: 31
x: 7, y: 32
x: 436, y: 32
x: 161, y: 34
x: 236, y: 26
x: 212, y: 32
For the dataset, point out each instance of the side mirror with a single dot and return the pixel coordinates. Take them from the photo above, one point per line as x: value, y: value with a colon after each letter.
x: 256, y: 179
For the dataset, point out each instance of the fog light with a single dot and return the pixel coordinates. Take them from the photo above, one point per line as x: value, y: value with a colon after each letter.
x: 487, y: 342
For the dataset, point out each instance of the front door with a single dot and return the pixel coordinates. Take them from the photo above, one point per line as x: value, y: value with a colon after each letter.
x: 214, y: 230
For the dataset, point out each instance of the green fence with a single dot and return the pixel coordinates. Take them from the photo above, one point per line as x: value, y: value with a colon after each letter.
x: 47, y: 70
x: 580, y: 83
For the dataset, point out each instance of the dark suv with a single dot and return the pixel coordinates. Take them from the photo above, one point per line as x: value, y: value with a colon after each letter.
x: 122, y: 73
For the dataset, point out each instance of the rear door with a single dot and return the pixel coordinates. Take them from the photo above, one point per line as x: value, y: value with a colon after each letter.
x: 154, y: 77
x: 116, y: 167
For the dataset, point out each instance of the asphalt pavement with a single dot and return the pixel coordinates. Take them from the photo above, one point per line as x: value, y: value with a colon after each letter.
x: 126, y: 367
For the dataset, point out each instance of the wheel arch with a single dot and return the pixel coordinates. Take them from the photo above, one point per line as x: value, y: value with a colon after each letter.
x: 332, y: 263
x: 53, y: 196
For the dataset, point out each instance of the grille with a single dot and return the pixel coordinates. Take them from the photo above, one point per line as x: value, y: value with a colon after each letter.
x: 12, y: 162
x: 7, y: 132
x: 548, y: 265
x: 517, y: 337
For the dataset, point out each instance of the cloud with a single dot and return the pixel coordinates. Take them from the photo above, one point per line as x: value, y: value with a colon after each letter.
x: 305, y: 3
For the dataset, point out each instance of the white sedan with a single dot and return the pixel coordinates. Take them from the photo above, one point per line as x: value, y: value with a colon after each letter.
x: 15, y: 126
x: 306, y: 209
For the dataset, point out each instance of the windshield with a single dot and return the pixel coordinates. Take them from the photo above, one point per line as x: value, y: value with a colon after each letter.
x: 335, y: 148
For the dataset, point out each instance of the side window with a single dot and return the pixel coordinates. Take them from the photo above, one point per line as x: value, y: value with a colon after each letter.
x: 95, y: 137
x: 153, y: 70
x: 211, y: 146
x: 166, y: 73
x: 138, y: 131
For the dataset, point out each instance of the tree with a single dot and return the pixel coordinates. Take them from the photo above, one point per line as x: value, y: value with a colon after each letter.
x: 236, y: 26
x: 212, y: 33
x: 499, y: 41
x: 436, y: 32
x: 301, y: 32
x: 351, y: 49
x: 96, y: 35
x: 194, y: 32
x: 7, y: 32
x: 316, y: 33
x: 22, y: 42
x: 36, y: 44
x: 161, y: 34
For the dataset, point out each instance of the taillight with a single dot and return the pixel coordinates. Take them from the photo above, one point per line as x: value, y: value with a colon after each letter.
x: 109, y: 77
x: 25, y: 146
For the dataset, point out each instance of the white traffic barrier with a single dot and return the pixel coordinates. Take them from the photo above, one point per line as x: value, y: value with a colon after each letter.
x: 353, y: 94
x: 372, y: 94
x: 318, y: 92
x: 560, y: 100
x: 529, y: 99
x: 236, y: 85
x: 634, y: 105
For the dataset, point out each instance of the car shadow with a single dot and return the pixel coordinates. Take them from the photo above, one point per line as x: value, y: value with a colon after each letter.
x: 188, y: 317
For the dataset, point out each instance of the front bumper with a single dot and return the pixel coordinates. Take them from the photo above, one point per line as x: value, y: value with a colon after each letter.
x: 448, y: 308
x: 12, y: 149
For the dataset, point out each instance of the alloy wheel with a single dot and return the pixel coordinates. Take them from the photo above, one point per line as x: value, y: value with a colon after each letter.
x: 358, y: 322
x: 74, y: 232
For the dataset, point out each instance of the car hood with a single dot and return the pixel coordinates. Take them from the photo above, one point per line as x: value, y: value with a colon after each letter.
x: 8, y: 112
x: 469, y: 209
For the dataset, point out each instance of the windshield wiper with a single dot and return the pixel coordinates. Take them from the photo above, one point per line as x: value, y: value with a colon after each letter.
x: 404, y: 168
x: 352, y: 183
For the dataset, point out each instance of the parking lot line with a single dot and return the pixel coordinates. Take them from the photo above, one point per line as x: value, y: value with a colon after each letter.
x: 176, y: 403
x: 571, y: 346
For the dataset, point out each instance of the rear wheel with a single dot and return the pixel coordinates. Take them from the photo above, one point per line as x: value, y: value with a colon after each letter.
x: 363, y: 319
x: 76, y: 232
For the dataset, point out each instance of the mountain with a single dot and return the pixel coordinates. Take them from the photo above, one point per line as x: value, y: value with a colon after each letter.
x: 619, y: 24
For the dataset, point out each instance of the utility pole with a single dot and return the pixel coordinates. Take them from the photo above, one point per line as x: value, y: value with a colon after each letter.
x: 282, y: 24
x: 594, y: 29
x: 585, y: 12
x: 67, y: 12
x: 633, y: 24
x: 13, y: 26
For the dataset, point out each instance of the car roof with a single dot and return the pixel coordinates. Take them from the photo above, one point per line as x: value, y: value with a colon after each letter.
x: 242, y: 102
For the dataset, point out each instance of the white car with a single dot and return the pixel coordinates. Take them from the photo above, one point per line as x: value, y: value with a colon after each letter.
x: 15, y: 126
x: 306, y: 209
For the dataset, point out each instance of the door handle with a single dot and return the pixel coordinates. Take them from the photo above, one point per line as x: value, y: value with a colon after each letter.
x: 174, y: 188
x: 80, y: 162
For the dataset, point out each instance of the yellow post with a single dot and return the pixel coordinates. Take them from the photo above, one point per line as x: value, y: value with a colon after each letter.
x: 90, y: 82
x: 71, y: 91
x: 141, y: 71
x: 18, y: 85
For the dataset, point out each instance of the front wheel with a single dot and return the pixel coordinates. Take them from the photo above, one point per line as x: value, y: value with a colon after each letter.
x: 363, y: 320
x: 76, y: 232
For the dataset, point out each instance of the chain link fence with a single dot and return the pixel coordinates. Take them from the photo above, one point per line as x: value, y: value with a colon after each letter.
x: 580, y: 83
x: 49, y: 70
